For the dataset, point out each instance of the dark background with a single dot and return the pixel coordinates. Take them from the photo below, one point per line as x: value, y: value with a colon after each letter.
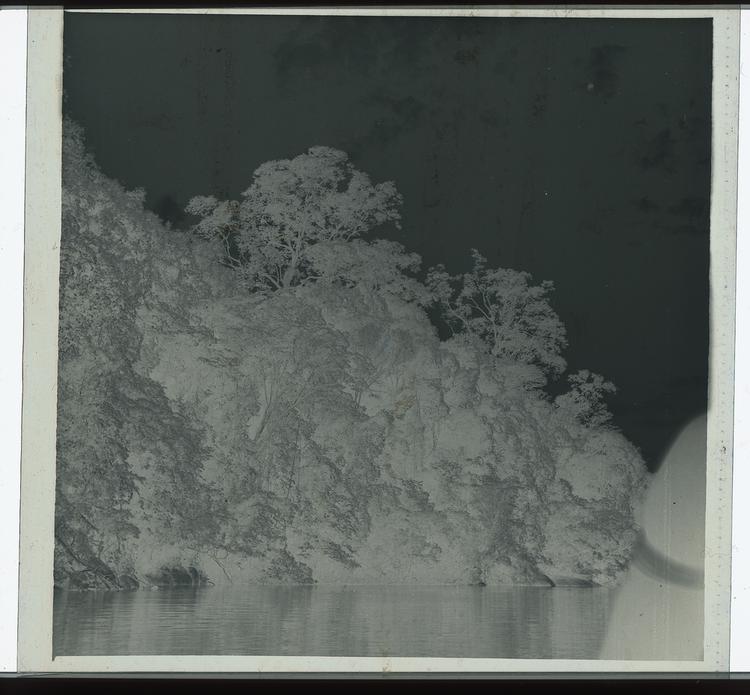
x: 577, y: 150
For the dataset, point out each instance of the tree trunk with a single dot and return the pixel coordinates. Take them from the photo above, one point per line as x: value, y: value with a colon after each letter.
x: 289, y: 274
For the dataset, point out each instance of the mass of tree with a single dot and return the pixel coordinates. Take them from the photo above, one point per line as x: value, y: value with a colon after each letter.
x: 265, y: 398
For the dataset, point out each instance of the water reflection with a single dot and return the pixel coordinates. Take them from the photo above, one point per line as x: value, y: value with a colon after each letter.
x: 499, y: 622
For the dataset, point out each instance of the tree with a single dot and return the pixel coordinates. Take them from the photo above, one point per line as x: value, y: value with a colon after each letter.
x: 316, y: 428
x: 377, y: 267
x: 128, y: 459
x: 585, y: 399
x: 290, y: 206
x: 502, y: 310
x: 599, y: 480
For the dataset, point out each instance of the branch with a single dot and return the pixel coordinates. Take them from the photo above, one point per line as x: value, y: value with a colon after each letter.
x: 111, y: 580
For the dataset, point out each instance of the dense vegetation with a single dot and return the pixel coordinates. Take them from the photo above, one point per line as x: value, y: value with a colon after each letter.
x: 264, y: 398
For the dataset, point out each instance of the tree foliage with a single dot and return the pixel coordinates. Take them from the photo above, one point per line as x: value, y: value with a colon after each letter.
x: 110, y: 414
x: 586, y: 397
x: 504, y: 311
x: 291, y: 206
x: 315, y: 428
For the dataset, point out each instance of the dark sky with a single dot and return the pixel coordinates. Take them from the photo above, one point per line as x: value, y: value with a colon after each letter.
x: 577, y: 150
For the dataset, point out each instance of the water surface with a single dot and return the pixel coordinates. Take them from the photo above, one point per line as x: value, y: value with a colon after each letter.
x: 412, y: 621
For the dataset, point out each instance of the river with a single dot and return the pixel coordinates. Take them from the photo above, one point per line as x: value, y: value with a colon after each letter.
x: 416, y: 621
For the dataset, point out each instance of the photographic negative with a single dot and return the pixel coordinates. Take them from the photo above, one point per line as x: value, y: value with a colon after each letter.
x: 386, y: 336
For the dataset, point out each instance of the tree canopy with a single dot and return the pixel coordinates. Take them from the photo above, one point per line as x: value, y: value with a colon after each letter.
x: 503, y: 310
x: 291, y: 205
x: 284, y: 410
